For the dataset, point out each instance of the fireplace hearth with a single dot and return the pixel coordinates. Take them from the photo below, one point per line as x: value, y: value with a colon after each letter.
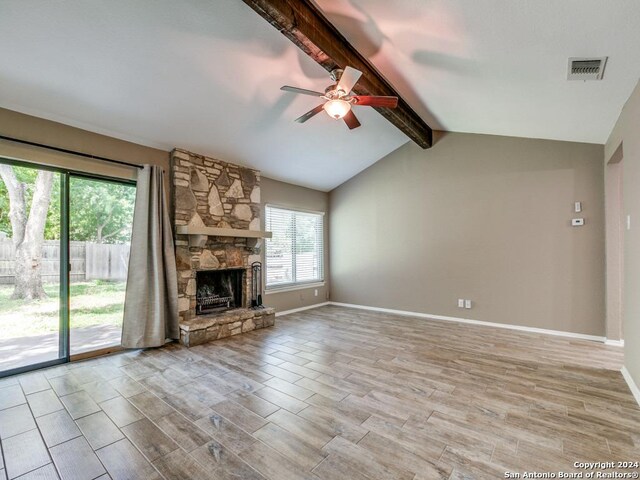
x: 219, y: 290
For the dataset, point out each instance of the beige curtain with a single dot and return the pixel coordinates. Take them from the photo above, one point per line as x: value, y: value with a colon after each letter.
x: 151, y: 302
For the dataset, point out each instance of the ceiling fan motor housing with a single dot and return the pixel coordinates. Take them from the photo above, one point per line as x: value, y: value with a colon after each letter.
x: 332, y: 92
x: 335, y: 74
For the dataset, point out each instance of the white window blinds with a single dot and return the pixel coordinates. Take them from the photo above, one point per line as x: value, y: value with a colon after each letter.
x: 294, y: 254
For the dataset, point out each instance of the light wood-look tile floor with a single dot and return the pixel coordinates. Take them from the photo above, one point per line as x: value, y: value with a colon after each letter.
x: 330, y: 393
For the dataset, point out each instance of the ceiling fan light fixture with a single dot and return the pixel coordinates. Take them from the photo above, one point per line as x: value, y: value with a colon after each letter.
x: 337, y: 108
x: 339, y: 99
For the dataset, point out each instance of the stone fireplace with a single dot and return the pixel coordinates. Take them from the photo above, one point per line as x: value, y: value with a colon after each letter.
x: 216, y: 209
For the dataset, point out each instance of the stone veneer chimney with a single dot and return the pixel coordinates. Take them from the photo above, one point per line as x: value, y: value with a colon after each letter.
x: 211, y: 193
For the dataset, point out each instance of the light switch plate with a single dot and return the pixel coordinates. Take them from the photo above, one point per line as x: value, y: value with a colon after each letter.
x: 577, y: 222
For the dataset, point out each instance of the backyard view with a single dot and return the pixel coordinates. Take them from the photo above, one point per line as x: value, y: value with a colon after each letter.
x: 95, y: 303
x: 100, y: 220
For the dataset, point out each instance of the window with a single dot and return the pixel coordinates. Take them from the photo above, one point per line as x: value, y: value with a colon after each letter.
x: 294, y: 255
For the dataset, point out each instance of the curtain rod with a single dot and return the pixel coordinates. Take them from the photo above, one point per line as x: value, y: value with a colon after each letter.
x: 72, y: 152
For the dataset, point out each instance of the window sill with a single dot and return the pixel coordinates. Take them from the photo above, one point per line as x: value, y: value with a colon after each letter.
x: 291, y: 288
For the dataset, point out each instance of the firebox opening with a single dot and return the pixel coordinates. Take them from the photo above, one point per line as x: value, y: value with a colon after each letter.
x: 218, y: 290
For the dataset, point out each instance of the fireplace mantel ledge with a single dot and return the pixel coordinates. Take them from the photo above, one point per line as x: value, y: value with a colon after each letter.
x: 198, y: 235
x: 221, y: 232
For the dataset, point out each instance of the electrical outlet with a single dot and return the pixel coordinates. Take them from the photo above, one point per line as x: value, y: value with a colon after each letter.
x: 315, y: 292
x: 467, y: 304
x: 460, y: 303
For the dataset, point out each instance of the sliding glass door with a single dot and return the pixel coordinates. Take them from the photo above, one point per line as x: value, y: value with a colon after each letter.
x: 100, y: 221
x: 31, y: 331
x: 64, y: 255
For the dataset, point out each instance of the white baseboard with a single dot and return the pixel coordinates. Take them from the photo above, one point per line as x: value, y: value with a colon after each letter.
x: 614, y: 343
x: 558, y: 333
x: 632, y: 385
x: 301, y: 309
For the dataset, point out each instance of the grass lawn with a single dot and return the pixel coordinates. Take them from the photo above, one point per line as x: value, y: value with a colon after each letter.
x: 96, y: 302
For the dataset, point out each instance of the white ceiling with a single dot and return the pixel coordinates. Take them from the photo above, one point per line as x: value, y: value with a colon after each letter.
x: 205, y: 74
x: 500, y: 66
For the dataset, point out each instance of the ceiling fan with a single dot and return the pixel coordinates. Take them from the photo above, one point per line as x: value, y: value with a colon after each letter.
x: 338, y: 98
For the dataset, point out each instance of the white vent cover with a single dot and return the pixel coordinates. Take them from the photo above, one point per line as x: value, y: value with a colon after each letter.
x: 586, y: 68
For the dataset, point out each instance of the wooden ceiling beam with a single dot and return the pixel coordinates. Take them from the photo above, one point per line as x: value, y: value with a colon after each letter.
x: 306, y: 26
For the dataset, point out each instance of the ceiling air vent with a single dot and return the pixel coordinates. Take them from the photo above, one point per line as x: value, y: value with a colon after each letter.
x: 586, y: 68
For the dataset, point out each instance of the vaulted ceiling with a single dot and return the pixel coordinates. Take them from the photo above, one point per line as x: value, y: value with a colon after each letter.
x: 205, y: 74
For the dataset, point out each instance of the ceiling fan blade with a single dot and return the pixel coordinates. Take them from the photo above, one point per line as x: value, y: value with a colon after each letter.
x: 309, y: 114
x: 302, y: 91
x: 348, y: 79
x: 371, y: 101
x: 351, y: 120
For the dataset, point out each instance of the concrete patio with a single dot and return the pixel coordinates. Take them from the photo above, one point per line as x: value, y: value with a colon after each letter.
x: 22, y: 351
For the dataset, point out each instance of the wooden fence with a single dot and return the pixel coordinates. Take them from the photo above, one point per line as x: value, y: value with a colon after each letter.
x: 89, y: 261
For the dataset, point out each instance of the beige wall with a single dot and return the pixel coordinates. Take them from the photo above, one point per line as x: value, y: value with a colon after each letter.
x: 625, y: 132
x: 480, y: 217
x: 39, y: 130
x: 292, y: 196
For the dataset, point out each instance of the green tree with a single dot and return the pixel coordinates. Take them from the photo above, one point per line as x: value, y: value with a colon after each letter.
x: 5, y: 223
x: 101, y: 212
x: 27, y: 177
x: 28, y: 192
